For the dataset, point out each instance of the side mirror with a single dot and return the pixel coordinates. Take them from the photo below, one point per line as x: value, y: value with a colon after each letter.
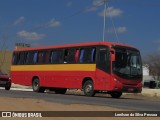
x: 112, y: 51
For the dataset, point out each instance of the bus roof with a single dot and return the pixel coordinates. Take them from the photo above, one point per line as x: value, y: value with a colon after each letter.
x: 75, y: 45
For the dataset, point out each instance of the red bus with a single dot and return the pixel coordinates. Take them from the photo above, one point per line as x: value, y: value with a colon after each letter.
x: 92, y: 67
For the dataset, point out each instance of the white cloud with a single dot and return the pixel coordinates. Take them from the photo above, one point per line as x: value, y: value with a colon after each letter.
x: 98, y: 2
x: 95, y: 5
x: 121, y: 29
x: 111, y: 11
x: 19, y: 20
x: 118, y: 30
x: 30, y: 35
x: 53, y: 23
x: 69, y: 4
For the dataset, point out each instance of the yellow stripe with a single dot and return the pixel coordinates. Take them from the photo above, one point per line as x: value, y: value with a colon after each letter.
x: 50, y: 67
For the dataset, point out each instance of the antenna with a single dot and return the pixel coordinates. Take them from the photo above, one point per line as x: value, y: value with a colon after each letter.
x: 104, y: 27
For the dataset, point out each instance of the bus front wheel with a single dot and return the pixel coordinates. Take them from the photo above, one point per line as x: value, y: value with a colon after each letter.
x: 36, y: 86
x: 89, y: 88
x: 116, y: 94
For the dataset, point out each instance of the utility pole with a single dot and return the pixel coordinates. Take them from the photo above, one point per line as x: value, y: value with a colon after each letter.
x: 104, y: 27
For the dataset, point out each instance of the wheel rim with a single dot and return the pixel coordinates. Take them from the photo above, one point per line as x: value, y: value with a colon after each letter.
x: 36, y: 85
x: 88, y: 88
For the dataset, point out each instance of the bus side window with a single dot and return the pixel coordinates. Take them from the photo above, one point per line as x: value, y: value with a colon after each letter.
x: 30, y: 57
x: 40, y: 57
x: 56, y: 56
x: 87, y: 55
x: 81, y: 56
x: 53, y: 57
x: 21, y: 58
x: 66, y: 56
x: 47, y: 57
x: 35, y: 57
x: 93, y: 55
x: 76, y: 55
x: 25, y: 57
x: 15, y: 59
x: 69, y: 55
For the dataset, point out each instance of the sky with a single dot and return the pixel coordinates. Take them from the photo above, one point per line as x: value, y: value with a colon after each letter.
x: 55, y: 22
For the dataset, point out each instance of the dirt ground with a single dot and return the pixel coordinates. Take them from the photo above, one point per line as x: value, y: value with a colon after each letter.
x: 25, y: 104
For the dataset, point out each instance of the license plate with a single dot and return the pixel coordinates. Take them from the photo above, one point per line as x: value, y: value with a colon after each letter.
x: 130, y: 89
x: 3, y: 82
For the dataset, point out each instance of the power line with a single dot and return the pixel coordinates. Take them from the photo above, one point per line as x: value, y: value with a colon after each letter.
x: 104, y: 27
x: 113, y: 23
x: 81, y: 11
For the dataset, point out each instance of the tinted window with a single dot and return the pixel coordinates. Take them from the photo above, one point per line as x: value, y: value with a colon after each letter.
x: 21, y: 58
x: 70, y: 55
x: 15, y: 59
x: 47, y: 57
x: 87, y: 55
x: 30, y: 56
x: 77, y: 55
x: 41, y: 55
x: 56, y: 56
x: 103, y: 59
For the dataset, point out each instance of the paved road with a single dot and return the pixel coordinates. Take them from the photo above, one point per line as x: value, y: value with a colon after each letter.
x: 123, y: 103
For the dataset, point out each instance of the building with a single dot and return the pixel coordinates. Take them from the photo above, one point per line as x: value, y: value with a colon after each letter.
x: 148, y: 80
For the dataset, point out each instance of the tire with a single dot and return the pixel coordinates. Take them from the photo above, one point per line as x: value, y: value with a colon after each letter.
x: 116, y: 94
x: 36, y: 86
x: 7, y: 87
x: 89, y: 88
x: 60, y: 90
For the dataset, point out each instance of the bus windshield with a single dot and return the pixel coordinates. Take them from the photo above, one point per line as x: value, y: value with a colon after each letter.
x: 127, y: 63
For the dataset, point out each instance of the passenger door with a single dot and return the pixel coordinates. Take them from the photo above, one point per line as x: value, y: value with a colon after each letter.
x: 103, y: 68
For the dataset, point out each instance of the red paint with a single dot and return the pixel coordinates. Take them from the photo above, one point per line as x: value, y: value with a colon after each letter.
x: 73, y: 79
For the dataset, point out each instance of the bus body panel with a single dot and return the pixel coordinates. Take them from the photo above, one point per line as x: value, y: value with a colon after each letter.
x: 67, y: 75
x: 66, y: 79
x: 72, y: 75
x: 62, y: 79
x: 103, y: 80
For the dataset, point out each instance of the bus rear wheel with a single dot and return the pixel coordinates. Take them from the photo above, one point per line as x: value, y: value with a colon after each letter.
x: 60, y: 90
x: 116, y: 94
x: 89, y: 88
x: 36, y: 86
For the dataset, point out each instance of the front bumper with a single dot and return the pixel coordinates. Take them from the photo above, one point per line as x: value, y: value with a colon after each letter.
x: 131, y: 88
